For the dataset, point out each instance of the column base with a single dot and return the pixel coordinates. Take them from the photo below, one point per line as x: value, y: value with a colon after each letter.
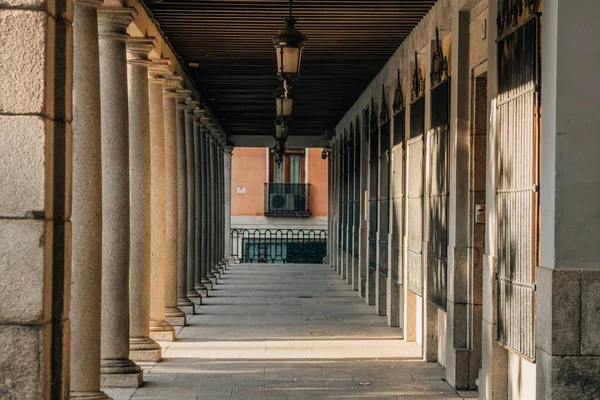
x: 162, y: 331
x: 120, y: 373
x: 207, y: 286
x: 194, y: 297
x: 175, y: 316
x: 201, y: 289
x: 185, y: 305
x: 95, y: 395
x: 144, y: 349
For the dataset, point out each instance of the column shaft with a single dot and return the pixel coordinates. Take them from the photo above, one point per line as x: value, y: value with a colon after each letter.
x: 172, y: 313
x: 86, y: 265
x: 192, y: 294
x: 160, y: 329
x: 207, y: 275
x: 141, y: 347
x: 199, y: 181
x: 213, y: 206
x: 227, y: 202
x: 183, y: 303
x: 116, y: 367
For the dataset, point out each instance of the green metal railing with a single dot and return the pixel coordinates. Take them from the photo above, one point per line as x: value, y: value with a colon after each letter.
x: 286, y: 246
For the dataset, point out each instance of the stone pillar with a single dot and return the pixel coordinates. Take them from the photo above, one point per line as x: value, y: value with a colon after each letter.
x: 86, y: 268
x: 221, y: 202
x: 208, y: 278
x: 36, y: 110
x: 568, y: 277
x: 227, y: 203
x: 200, y: 253
x: 183, y: 303
x: 462, y: 315
x: 141, y: 346
x: 212, y: 216
x: 173, y: 314
x: 160, y: 329
x: 116, y: 367
x: 334, y: 213
x: 192, y: 294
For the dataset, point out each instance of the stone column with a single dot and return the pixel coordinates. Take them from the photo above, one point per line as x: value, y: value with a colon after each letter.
x: 36, y: 155
x: 160, y: 329
x: 173, y: 314
x: 567, y: 299
x: 215, y: 206
x: 209, y: 277
x: 220, y: 203
x: 116, y: 367
x: 227, y: 203
x: 183, y: 303
x: 200, y: 277
x: 141, y: 346
x: 211, y: 206
x: 190, y: 166
x: 86, y: 265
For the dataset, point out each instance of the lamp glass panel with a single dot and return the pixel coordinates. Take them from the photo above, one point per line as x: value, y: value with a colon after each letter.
x: 291, y: 59
x: 284, y: 106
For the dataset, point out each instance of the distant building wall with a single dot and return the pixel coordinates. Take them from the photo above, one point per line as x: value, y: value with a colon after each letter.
x: 248, y: 172
x: 248, y: 178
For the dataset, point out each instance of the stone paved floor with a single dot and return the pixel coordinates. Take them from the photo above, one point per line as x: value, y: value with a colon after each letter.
x: 289, y: 332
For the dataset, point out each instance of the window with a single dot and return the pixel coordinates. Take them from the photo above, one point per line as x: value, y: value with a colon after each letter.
x: 291, y: 170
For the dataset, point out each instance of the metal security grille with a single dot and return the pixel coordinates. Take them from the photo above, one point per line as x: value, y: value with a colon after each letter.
x: 350, y: 193
x: 384, y: 185
x: 357, y: 173
x: 518, y: 123
x: 398, y: 198
x: 373, y: 185
x: 343, y: 198
x: 285, y: 246
x: 438, y: 194
x: 415, y: 195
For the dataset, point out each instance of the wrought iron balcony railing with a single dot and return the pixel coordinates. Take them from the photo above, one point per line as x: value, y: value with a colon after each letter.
x: 287, y: 199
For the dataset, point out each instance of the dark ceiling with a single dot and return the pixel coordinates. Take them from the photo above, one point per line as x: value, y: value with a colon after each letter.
x: 349, y: 41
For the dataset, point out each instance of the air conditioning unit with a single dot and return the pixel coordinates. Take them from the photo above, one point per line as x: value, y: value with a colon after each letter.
x: 282, y: 202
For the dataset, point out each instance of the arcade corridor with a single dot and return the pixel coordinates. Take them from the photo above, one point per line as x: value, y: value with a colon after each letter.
x: 452, y: 149
x: 297, y: 331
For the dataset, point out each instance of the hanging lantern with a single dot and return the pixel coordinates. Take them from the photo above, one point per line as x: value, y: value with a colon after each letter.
x: 283, y: 105
x: 281, y: 131
x: 288, y: 43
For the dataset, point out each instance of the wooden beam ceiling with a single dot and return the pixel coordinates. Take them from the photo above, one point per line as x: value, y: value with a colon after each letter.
x: 349, y: 41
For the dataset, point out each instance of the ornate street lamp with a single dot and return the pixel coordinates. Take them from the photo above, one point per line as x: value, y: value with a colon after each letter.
x: 283, y: 105
x: 288, y: 43
x: 281, y: 131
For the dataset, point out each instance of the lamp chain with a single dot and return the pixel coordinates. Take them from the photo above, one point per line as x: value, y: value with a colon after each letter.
x: 291, y: 1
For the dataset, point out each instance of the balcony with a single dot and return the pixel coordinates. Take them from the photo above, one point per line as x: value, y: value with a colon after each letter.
x: 287, y: 200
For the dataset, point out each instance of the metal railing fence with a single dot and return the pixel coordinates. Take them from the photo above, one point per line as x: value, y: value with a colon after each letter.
x: 286, y: 246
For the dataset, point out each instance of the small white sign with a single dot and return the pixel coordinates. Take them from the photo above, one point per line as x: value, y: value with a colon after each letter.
x: 241, y: 189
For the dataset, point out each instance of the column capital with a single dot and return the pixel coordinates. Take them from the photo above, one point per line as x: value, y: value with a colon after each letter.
x: 114, y: 21
x: 190, y: 106
x: 229, y: 149
x: 159, y: 70
x: 198, y: 115
x: 89, y: 3
x: 172, y: 86
x: 138, y: 49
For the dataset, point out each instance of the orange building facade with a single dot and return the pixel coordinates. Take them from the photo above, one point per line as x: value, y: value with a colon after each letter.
x: 253, y: 168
